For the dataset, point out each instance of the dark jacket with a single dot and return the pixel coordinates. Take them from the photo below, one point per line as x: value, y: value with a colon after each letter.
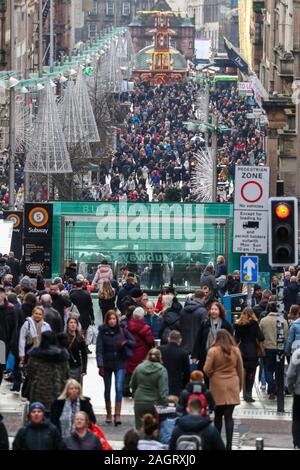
x: 246, y: 336
x: 193, y: 314
x: 77, y: 353
x: 143, y: 337
x: 177, y: 363
x: 260, y: 308
x: 89, y: 442
x: 58, y: 405
x: 107, y: 304
x: 126, y: 302
x: 45, y: 436
x: 194, y: 424
x: 170, y: 320
x: 15, y: 268
x: 290, y: 294
x: 208, y: 279
x: 83, y: 302
x: 47, y: 372
x: 54, y: 319
x: 7, y: 325
x: 124, y: 292
x: 59, y: 302
x: 110, y: 347
x: 194, y: 388
x: 154, y: 322
x: 4, y: 444
x: 199, y: 351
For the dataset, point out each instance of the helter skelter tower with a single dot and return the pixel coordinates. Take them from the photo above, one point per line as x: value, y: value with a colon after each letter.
x: 161, y: 63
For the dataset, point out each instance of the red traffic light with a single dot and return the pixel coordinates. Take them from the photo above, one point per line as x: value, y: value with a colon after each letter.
x: 282, y: 211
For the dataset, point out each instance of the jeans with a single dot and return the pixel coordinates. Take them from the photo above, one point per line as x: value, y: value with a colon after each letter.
x: 270, y: 370
x: 296, y: 421
x: 119, y: 379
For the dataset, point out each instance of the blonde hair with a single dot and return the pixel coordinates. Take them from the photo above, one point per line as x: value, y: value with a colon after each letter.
x: 38, y: 307
x: 8, y: 278
x: 106, y: 291
x: 64, y: 394
x: 154, y: 355
x: 220, y: 259
x: 167, y: 301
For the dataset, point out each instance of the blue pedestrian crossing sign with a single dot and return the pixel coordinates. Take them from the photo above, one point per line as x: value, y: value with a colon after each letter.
x: 249, y: 269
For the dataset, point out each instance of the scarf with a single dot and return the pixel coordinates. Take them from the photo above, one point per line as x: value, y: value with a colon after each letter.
x: 66, y: 419
x: 34, y: 332
x: 213, y: 330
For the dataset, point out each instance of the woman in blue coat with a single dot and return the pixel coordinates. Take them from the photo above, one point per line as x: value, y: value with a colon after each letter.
x: 113, y: 349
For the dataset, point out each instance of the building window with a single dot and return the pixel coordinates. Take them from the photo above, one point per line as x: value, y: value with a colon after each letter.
x: 94, y: 10
x: 109, y: 9
x: 126, y: 8
x: 92, y: 30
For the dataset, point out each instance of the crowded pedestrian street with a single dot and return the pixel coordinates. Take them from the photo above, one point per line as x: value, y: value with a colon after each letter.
x: 149, y: 229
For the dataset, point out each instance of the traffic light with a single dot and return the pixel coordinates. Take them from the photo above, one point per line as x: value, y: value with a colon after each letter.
x: 283, y: 231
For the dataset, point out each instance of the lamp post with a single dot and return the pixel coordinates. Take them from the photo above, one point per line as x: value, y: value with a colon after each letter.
x: 12, y: 141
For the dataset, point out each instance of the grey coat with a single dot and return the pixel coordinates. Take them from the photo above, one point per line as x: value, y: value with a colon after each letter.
x: 293, y: 374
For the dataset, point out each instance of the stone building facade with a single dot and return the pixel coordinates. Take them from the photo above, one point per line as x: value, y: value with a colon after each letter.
x: 279, y: 21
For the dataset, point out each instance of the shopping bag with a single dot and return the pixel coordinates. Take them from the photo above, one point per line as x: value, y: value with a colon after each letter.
x: 98, y: 431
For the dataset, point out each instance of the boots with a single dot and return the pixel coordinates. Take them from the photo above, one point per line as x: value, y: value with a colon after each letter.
x: 117, y: 413
x: 108, y: 418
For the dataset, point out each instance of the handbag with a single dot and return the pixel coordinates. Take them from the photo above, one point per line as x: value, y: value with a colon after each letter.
x: 126, y: 351
x: 98, y: 431
x: 91, y: 334
x: 260, y: 349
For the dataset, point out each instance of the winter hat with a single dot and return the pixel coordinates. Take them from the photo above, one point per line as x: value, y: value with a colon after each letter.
x: 37, y: 406
x: 25, y: 282
x: 136, y: 292
x: 138, y: 313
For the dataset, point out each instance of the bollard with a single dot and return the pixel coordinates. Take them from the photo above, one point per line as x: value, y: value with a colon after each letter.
x: 259, y: 443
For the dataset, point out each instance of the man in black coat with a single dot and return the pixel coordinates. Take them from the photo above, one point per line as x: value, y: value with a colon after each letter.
x: 52, y: 316
x: 176, y: 361
x: 196, y: 425
x: 15, y: 267
x: 7, y: 327
x: 193, y: 314
x: 39, y: 434
x: 59, y: 302
x: 262, y: 306
x: 83, y: 301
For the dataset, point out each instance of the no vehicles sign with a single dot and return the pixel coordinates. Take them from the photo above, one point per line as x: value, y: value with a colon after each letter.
x: 251, y: 188
x: 251, y: 209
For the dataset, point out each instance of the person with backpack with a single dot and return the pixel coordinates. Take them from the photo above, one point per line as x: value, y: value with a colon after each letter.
x: 224, y: 368
x: 195, y: 432
x: 170, y: 321
x: 196, y: 388
x: 176, y: 361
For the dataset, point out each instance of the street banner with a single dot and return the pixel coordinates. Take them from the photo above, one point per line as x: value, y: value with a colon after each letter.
x: 17, y: 237
x: 38, y: 220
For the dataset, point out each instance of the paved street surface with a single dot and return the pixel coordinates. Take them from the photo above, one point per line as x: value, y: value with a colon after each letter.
x: 259, y: 419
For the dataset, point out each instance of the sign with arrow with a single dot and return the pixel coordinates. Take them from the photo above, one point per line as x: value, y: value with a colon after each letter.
x: 249, y: 269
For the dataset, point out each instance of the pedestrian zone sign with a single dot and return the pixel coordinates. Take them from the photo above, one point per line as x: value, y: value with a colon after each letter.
x: 249, y: 269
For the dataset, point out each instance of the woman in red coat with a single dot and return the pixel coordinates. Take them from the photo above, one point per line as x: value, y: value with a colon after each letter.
x: 143, y: 336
